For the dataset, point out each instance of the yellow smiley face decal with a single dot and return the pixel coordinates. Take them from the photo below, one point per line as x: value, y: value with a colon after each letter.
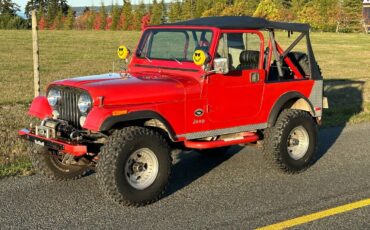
x: 123, y: 52
x: 199, y: 57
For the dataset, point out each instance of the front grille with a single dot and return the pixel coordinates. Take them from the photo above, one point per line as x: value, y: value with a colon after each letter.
x: 67, y: 107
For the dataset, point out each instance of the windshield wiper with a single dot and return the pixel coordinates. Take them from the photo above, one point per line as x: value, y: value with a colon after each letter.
x: 174, y: 58
x: 149, y: 60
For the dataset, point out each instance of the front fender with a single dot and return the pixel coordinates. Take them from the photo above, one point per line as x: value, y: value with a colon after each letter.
x: 96, y: 117
x: 103, y: 119
x: 40, y: 108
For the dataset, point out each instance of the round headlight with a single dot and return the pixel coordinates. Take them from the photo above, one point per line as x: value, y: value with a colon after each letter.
x: 84, y: 103
x: 53, y: 97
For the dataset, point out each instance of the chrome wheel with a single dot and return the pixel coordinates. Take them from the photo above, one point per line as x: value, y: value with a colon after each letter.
x: 141, y: 168
x: 298, y: 143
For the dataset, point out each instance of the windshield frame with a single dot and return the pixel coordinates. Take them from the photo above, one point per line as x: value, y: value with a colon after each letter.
x: 146, y: 35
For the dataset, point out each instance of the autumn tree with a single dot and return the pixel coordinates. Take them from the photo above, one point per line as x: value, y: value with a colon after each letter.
x: 240, y: 7
x: 115, y: 14
x: 58, y: 21
x: 156, y: 13
x: 70, y: 19
x: 268, y: 9
x: 217, y: 8
x: 91, y: 15
x: 321, y: 15
x: 175, y: 11
x: 102, y: 16
x: 126, y: 15
x: 139, y: 13
x: 350, y: 16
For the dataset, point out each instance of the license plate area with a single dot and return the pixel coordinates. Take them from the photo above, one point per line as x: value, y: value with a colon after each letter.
x: 45, y: 131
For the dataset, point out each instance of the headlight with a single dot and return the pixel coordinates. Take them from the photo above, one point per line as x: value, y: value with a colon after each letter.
x: 84, y: 103
x: 53, y: 97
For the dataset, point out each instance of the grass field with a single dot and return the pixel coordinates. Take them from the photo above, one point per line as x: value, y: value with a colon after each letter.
x: 344, y: 60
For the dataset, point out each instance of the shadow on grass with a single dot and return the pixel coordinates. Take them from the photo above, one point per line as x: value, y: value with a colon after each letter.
x: 191, y: 166
x: 345, y: 101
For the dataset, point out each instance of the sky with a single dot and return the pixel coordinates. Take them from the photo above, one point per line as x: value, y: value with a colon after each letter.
x: 22, y: 3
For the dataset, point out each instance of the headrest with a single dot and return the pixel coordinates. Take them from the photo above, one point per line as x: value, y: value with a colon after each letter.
x: 249, y: 56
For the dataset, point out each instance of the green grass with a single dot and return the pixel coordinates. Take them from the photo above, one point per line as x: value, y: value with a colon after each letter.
x: 344, y: 60
x: 19, y: 167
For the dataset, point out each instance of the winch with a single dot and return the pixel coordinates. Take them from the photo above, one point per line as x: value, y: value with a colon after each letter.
x: 51, y: 128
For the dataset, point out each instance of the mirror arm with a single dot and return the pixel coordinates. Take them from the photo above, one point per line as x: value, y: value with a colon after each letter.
x: 206, y: 74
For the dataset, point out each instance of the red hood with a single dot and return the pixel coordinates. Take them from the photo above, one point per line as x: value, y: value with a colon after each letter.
x: 118, y: 90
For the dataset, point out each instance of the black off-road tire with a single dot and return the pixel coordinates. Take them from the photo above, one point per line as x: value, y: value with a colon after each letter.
x: 46, y: 163
x: 301, y: 61
x: 113, y: 158
x: 275, y: 144
x: 215, y: 152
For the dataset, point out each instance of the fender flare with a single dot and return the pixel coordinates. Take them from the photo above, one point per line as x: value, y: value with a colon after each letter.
x: 275, y: 111
x: 109, y: 122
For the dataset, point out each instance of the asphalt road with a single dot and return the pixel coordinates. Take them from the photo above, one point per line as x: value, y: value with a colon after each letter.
x: 239, y: 191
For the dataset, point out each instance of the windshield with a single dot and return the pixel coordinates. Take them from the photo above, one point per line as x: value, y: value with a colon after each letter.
x: 173, y: 44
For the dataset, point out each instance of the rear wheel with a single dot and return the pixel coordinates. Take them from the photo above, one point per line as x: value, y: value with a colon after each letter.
x: 56, y: 165
x: 292, y: 143
x: 134, y: 166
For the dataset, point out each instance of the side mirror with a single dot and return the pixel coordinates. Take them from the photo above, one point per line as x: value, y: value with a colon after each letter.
x: 221, y: 66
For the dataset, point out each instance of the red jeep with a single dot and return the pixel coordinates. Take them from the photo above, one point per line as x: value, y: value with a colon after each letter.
x: 204, y: 84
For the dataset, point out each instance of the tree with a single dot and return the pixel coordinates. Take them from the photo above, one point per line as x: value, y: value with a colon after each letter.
x: 156, y: 13
x: 52, y: 11
x: 8, y: 7
x: 175, y: 11
x: 45, y: 5
x: 139, y: 13
x: 115, y: 13
x: 145, y: 21
x: 349, y: 18
x: 240, y: 7
x: 58, y: 21
x: 69, y: 22
x: 321, y: 14
x: 268, y: 9
x: 90, y: 19
x: 126, y: 15
x: 164, y: 12
x: 102, y: 17
x: 217, y: 8
x: 188, y: 9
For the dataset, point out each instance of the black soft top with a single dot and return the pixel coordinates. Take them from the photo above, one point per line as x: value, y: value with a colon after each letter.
x: 243, y: 22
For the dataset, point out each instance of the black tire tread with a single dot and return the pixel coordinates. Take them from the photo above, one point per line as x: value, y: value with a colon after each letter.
x: 106, y: 166
x: 272, y: 139
x: 39, y: 158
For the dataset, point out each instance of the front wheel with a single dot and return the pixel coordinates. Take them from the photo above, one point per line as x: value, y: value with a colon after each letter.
x: 292, y: 143
x: 134, y: 166
x: 57, y: 165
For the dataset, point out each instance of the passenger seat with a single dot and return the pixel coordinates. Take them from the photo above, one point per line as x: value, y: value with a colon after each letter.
x: 249, y: 59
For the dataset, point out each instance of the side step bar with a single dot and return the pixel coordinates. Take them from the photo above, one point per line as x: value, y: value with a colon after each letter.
x: 247, y: 137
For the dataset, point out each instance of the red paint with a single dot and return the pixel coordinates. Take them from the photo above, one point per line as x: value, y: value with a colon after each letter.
x: 248, y: 138
x: 40, y: 108
x: 75, y: 150
x: 176, y: 90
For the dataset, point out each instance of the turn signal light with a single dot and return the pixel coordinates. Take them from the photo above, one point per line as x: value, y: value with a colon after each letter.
x: 119, y: 112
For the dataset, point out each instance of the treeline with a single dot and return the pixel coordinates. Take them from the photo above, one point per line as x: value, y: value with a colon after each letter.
x: 9, y: 18
x: 323, y: 15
